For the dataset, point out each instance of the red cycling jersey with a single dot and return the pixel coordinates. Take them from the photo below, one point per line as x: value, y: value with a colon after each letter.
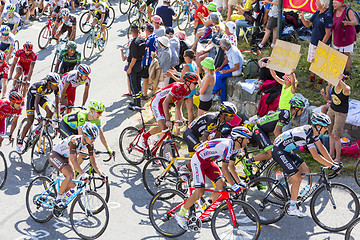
x: 4, y: 70
x: 6, y: 111
x: 25, y: 59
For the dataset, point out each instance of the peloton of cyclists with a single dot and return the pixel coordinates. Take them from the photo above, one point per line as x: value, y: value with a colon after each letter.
x: 101, y: 17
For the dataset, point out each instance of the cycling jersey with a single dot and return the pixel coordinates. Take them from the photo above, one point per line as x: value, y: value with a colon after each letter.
x: 6, y: 111
x: 102, y: 8
x: 77, y: 119
x: 24, y: 61
x: 71, y: 22
x: 40, y: 88
x: 65, y: 58
x: 206, y: 123
x: 4, y: 70
x: 72, y: 78
x: 72, y: 145
x: 151, y: 46
x: 13, y: 21
x: 10, y: 40
x: 268, y: 122
x: 52, y: 3
x: 221, y: 148
x: 296, y: 137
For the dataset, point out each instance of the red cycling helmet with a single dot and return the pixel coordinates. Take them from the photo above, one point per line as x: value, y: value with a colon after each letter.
x: 191, y: 77
x: 28, y: 45
x: 16, y: 97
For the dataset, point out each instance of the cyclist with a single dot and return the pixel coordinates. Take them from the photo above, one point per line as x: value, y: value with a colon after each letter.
x: 37, y: 96
x: 56, y: 5
x: 174, y: 92
x: 4, y: 70
x: 203, y: 163
x: 12, y: 18
x: 292, y: 164
x: 101, y: 16
x: 72, y: 123
x: 151, y: 5
x: 272, y: 123
x: 65, y: 157
x: 8, y: 108
x: 68, y: 22
x: 70, y: 81
x: 7, y: 41
x: 69, y: 58
x: 25, y: 60
x: 206, y: 123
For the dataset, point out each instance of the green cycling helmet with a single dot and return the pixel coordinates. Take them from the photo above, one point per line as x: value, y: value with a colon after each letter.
x: 97, y: 106
x: 71, y: 45
x: 297, y: 102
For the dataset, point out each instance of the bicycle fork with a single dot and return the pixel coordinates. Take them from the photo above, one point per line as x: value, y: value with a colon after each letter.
x: 328, y: 190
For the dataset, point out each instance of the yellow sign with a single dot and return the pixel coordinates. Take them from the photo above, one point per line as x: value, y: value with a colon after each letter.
x: 328, y: 63
x: 284, y: 57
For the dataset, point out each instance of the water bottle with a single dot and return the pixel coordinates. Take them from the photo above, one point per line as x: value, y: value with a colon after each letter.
x: 304, y: 190
x: 70, y: 192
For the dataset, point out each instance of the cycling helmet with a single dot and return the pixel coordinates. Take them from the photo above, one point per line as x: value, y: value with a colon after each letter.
x: 2, y: 55
x: 156, y: 19
x: 64, y: 12
x: 240, y: 132
x: 97, y: 106
x: 16, y: 97
x: 225, y: 130
x: 228, y: 107
x: 53, y: 77
x: 90, y: 130
x: 297, y: 102
x: 84, y: 69
x: 5, y: 29
x: 28, y: 45
x: 96, y: 1
x: 71, y: 45
x: 191, y: 77
x: 11, y: 8
x: 320, y: 119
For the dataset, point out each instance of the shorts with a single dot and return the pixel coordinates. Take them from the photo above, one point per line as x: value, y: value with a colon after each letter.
x: 98, y: 17
x: 58, y: 161
x: 2, y: 127
x: 192, y: 141
x: 30, y: 103
x: 289, y: 161
x: 145, y: 72
x: 4, y: 46
x: 234, y: 2
x: 267, y: 6
x: 157, y: 109
x: 271, y: 23
x: 262, y: 139
x: 349, y: 48
x: 70, y: 95
x: 66, y: 67
x: 338, y: 120
x: 56, y: 10
x: 152, y: 3
x: 25, y: 68
x: 66, y: 130
x: 200, y: 168
x: 65, y: 28
x: 311, y: 52
x: 205, y: 106
x: 11, y: 26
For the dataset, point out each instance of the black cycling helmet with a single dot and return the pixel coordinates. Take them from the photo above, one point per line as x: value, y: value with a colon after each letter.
x: 225, y: 130
x: 90, y: 130
x: 228, y: 107
x: 53, y: 78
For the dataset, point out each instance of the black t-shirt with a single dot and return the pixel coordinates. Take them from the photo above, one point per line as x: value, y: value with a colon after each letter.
x: 137, y: 49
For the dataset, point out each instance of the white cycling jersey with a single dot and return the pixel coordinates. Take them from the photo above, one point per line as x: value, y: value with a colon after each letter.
x: 72, y: 145
x: 221, y: 148
x: 72, y: 78
x: 14, y: 20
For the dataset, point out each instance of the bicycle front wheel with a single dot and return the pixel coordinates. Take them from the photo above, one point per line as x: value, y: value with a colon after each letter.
x: 176, y: 5
x: 176, y: 148
x: 89, y: 223
x: 27, y: 136
x: 333, y: 207
x: 162, y: 210
x: 40, y: 153
x: 124, y: 6
x: 357, y: 172
x: 129, y: 148
x: 133, y: 14
x: 353, y: 231
x: 44, y: 36
x: 3, y: 170
x: 111, y: 17
x: 222, y: 224
x: 84, y: 26
x: 183, y: 20
x: 40, y: 196
x: 88, y: 47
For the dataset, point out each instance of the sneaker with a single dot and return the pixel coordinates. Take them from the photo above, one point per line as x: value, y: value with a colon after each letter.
x: 296, y: 212
x: 19, y: 148
x: 181, y: 222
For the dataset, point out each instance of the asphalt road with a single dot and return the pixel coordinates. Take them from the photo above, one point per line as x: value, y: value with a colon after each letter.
x: 128, y: 200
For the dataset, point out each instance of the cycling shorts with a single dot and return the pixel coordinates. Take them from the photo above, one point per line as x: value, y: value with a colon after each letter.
x: 24, y: 67
x: 30, y: 103
x: 58, y: 161
x: 289, y: 161
x: 4, y: 46
x: 200, y: 168
x: 191, y: 140
x: 11, y: 26
x: 56, y: 10
x: 70, y: 95
x: 66, y: 130
x: 65, y: 28
x: 66, y: 67
x: 98, y: 17
x: 152, y: 3
x: 157, y: 109
x: 262, y: 139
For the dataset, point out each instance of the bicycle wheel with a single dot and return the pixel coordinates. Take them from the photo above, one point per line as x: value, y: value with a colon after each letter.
x: 44, y: 36
x: 129, y: 148
x: 3, y: 170
x: 334, y: 207
x: 40, y: 196
x: 246, y: 228
x: 102, y: 45
x: 88, y: 47
x: 267, y: 201
x: 40, y: 152
x: 84, y: 26
x: 353, y: 231
x: 89, y: 224
x: 183, y: 19
x: 176, y: 5
x: 357, y: 172
x: 161, y: 212
x: 133, y: 14
x: 111, y: 17
x: 54, y: 61
x: 176, y: 147
x: 155, y: 178
x: 27, y: 136
x: 51, y: 131
x: 124, y: 6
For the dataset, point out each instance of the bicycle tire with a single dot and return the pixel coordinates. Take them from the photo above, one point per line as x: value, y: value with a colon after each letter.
x: 127, y: 137
x: 350, y: 231
x: 176, y: 148
x: 154, y: 215
x: 133, y: 13
x: 111, y: 17
x: 177, y: 8
x: 124, y: 6
x: 76, y: 223
x: 184, y: 17
x: 54, y: 61
x: 51, y: 131
x: 82, y: 23
x: 89, y: 44
x: 352, y: 202
x: 357, y: 172
x: 247, y: 231
x: 27, y: 136
x: 3, y: 170
x: 151, y: 175
x: 259, y: 199
x: 102, y: 48
x: 45, y: 186
x: 44, y: 35
x: 39, y: 158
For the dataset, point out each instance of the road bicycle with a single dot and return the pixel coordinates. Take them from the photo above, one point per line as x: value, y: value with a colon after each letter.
x: 95, y: 40
x: 357, y: 172
x: 16, y: 47
x: 85, y: 27
x: 46, y: 34
x: 59, y: 47
x: 125, y: 5
x: 333, y: 205
x: 184, y: 16
x: 3, y: 164
x: 230, y: 219
x: 89, y: 213
x: 135, y: 154
x: 136, y: 14
x: 353, y: 231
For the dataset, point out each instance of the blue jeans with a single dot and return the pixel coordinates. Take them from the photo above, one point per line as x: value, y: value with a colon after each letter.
x: 220, y: 83
x: 241, y: 23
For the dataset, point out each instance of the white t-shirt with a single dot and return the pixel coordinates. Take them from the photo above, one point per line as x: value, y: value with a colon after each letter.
x: 234, y: 56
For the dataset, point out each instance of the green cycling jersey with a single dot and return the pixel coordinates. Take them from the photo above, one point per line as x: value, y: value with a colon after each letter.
x: 64, y: 57
x: 78, y: 118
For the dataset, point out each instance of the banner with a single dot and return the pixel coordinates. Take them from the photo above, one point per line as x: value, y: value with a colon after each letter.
x: 328, y: 63
x: 284, y: 57
x: 302, y: 5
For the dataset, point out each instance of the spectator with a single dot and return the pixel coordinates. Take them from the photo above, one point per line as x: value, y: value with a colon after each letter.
x: 245, y: 22
x: 174, y: 45
x: 343, y: 25
x: 271, y: 24
x: 231, y: 4
x: 230, y: 29
x: 206, y: 86
x: 321, y: 31
x: 266, y: 15
x: 204, y: 12
x: 327, y: 97
x: 166, y: 13
x: 337, y: 112
x: 232, y: 66
x: 124, y: 57
x: 159, y: 30
x: 163, y: 56
x: 212, y: 14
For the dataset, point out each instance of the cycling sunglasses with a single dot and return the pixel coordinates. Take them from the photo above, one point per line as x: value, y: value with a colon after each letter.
x: 5, y: 34
x: 99, y: 113
x: 229, y: 114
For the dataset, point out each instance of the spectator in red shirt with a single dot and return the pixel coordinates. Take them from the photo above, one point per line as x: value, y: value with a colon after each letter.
x: 204, y: 11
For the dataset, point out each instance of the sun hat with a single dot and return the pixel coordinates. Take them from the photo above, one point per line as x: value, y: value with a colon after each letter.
x: 231, y: 26
x: 208, y: 63
x: 164, y: 41
x: 212, y: 7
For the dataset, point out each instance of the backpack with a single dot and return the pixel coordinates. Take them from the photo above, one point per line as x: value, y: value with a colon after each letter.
x: 251, y: 69
x: 350, y: 149
x: 357, y: 16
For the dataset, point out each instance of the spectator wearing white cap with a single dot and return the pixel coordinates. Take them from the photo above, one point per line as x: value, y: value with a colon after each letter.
x: 163, y: 56
x: 230, y: 30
